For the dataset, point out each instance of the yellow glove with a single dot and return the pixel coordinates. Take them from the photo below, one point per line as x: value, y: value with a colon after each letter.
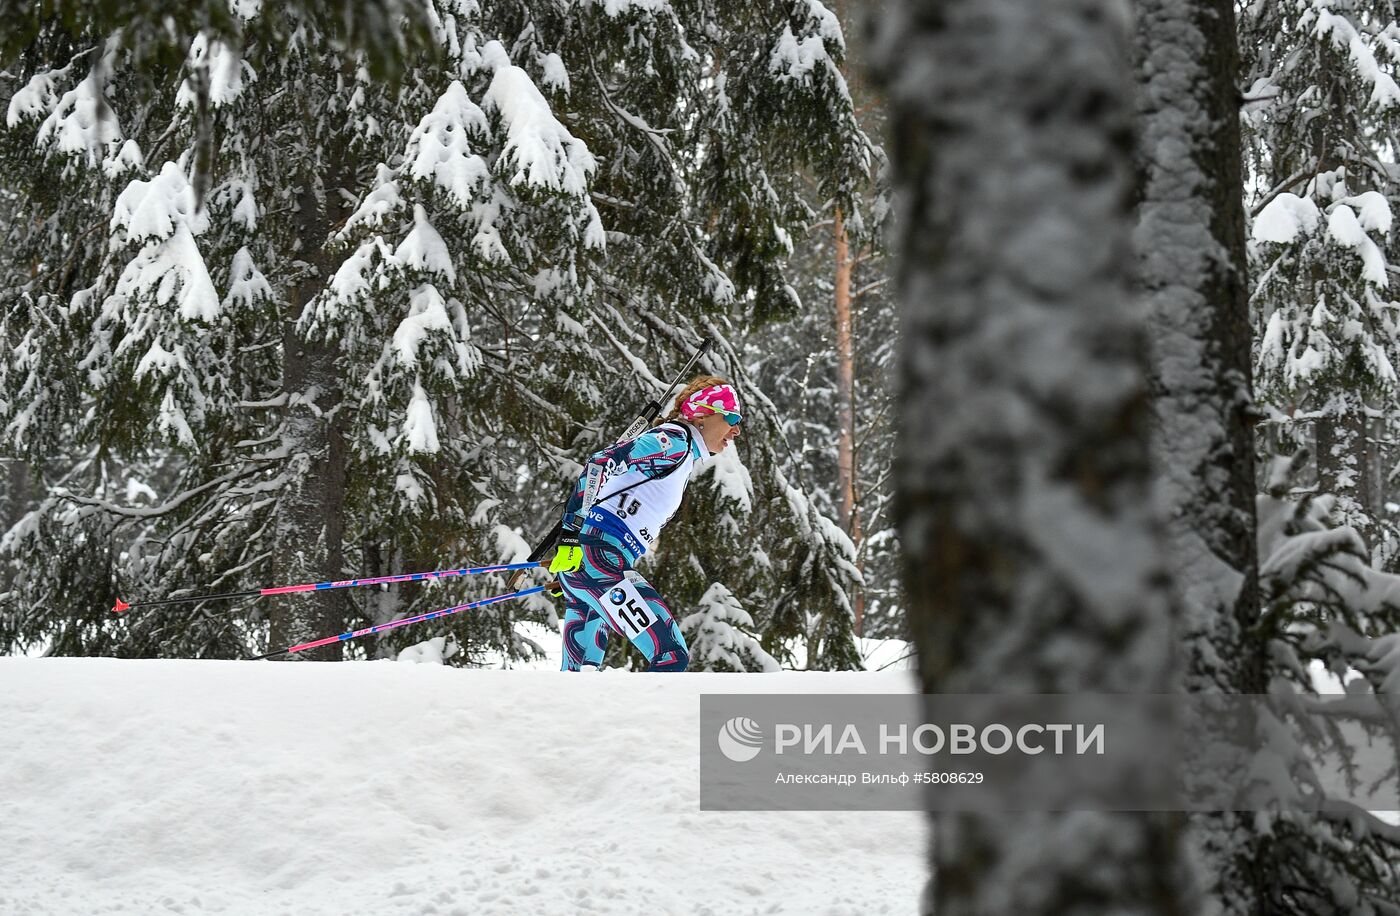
x: 569, y: 555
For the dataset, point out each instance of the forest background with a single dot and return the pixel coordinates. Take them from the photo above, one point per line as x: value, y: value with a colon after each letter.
x: 281, y: 312
x: 292, y: 293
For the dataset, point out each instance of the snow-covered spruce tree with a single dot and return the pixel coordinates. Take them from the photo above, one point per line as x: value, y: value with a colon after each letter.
x: 1013, y: 136
x: 718, y: 637
x: 1193, y: 274
x: 172, y: 368
x: 1319, y: 110
x: 1319, y: 592
x: 427, y: 291
x: 77, y: 430
x: 155, y: 34
x: 1325, y: 606
x: 831, y: 367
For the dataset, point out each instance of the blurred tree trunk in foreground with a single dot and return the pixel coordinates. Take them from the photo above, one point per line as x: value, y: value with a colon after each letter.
x: 1033, y: 561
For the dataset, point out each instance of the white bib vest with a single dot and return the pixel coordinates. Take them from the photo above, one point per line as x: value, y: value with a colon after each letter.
x: 643, y: 505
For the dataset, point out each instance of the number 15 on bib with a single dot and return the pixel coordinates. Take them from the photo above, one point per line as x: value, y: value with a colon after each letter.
x: 630, y: 613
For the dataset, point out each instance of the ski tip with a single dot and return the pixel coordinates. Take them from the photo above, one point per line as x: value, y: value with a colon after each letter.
x: 120, y: 606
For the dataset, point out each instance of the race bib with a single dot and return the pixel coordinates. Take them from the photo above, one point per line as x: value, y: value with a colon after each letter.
x: 628, y: 610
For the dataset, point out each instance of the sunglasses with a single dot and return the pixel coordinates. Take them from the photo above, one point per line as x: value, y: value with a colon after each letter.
x: 733, y: 419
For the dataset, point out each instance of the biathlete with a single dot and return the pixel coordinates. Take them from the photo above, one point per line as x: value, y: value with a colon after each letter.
x: 625, y: 495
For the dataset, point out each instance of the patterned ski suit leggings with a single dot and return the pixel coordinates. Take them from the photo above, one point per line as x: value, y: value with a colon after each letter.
x: 606, y: 593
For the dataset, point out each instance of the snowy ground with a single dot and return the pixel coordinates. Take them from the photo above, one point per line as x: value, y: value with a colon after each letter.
x: 381, y: 788
x: 875, y: 654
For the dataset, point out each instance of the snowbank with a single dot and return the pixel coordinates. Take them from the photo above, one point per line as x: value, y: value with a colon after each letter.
x: 378, y: 788
x: 886, y: 655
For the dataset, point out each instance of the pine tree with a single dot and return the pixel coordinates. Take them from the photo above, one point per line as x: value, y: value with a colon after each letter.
x: 1318, y: 109
x: 1325, y: 609
x: 844, y: 463
x: 719, y: 636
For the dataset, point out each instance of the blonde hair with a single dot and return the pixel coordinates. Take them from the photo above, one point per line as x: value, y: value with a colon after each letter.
x: 694, y: 385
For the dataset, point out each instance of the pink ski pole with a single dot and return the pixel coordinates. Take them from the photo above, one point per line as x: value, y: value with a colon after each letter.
x: 321, y: 586
x: 380, y: 628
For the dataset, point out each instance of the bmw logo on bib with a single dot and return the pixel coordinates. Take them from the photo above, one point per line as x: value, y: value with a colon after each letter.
x: 617, y: 596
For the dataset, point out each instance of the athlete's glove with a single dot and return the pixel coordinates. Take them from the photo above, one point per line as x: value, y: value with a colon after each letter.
x: 568, y: 556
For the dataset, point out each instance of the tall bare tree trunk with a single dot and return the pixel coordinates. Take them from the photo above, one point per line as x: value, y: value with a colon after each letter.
x: 846, y: 400
x: 1033, y: 559
x: 1193, y: 271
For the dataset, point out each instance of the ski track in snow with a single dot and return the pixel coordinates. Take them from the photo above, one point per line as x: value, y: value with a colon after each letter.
x: 272, y: 788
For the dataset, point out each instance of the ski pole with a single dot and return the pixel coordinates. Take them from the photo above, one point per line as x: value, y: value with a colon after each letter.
x: 634, y: 429
x: 380, y: 628
x: 121, y: 605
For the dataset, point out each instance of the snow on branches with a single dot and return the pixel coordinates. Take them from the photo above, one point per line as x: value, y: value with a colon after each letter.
x: 538, y: 150
x: 221, y: 66
x: 719, y: 635
x: 1345, y: 36
x: 440, y: 149
x: 1322, y: 323
x: 1326, y: 610
x: 160, y: 216
x: 509, y: 185
x: 164, y: 300
x: 79, y: 123
x: 820, y: 46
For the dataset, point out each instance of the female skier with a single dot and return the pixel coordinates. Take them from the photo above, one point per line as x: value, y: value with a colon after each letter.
x: 626, y: 493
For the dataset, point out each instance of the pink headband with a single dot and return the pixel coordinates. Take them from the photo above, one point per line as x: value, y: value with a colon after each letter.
x: 716, y: 398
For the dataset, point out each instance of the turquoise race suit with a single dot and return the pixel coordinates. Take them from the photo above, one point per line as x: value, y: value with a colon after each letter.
x: 625, y: 495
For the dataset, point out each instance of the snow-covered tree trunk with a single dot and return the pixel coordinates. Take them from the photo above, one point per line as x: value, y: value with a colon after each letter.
x: 1343, y: 460
x: 1033, y: 560
x: 1192, y: 269
x: 311, y: 530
